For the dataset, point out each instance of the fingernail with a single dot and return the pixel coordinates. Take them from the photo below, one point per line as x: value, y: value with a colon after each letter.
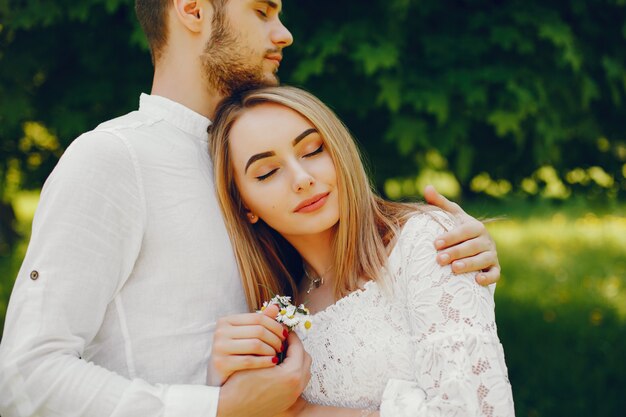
x: 439, y: 243
x: 459, y: 265
x: 285, y: 333
x: 444, y: 257
x: 275, y: 360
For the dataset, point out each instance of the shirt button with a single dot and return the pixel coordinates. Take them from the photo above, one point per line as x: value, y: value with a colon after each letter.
x: 34, y: 275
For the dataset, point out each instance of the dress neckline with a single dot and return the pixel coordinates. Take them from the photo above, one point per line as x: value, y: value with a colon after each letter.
x: 330, y: 309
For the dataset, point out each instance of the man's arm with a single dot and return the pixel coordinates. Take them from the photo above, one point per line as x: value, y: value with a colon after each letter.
x: 469, y: 247
x: 87, y: 234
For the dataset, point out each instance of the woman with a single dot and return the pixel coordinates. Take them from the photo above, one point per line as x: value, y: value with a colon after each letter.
x: 393, y: 330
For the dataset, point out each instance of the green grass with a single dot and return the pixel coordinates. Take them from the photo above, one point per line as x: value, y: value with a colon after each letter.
x: 561, y: 308
x: 561, y: 302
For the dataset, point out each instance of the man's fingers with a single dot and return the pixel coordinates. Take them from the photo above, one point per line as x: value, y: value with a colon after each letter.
x: 298, y: 361
x: 461, y: 233
x: 463, y: 250
x: 476, y: 263
x: 295, y: 352
x: 433, y: 197
x: 489, y: 277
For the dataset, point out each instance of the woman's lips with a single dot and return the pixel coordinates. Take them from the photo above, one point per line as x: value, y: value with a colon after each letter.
x: 311, y: 204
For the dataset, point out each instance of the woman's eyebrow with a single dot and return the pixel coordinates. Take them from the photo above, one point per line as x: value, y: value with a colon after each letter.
x: 303, y: 135
x: 262, y: 155
x: 256, y: 157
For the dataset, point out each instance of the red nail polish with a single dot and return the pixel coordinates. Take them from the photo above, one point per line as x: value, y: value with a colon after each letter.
x: 285, y: 333
x: 275, y: 360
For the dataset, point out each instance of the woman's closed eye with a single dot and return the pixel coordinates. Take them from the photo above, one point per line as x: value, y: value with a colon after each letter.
x: 320, y: 149
x: 266, y: 176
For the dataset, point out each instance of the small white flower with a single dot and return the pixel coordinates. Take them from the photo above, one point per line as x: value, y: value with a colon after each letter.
x: 291, y: 316
x: 291, y: 321
x: 304, y: 327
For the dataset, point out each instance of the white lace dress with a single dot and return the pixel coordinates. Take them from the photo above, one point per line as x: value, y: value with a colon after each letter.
x: 429, y: 349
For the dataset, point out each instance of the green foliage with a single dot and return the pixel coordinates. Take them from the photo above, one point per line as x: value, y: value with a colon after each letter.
x: 522, y: 84
x: 496, y: 88
x: 66, y: 66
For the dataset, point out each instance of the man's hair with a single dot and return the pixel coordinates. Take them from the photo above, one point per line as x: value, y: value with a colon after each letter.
x: 152, y: 16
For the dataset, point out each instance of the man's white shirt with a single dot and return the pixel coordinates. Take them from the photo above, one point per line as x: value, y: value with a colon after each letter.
x: 128, y: 268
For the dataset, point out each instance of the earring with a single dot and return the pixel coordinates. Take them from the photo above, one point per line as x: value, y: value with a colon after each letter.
x: 252, y: 218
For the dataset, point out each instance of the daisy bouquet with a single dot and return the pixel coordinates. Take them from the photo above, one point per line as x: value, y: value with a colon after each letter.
x: 294, y: 318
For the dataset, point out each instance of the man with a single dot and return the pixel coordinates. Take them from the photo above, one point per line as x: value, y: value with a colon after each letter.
x: 129, y: 264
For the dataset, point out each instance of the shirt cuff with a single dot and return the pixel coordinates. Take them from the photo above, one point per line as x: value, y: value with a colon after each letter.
x: 401, y: 399
x: 191, y: 401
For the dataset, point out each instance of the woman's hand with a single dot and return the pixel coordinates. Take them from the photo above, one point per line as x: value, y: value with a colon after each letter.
x: 245, y: 341
x: 469, y: 247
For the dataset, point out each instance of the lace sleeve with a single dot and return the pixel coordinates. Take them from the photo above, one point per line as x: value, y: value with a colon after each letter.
x: 458, y: 363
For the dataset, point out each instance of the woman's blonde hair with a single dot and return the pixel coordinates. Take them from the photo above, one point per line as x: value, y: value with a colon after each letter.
x: 268, y: 264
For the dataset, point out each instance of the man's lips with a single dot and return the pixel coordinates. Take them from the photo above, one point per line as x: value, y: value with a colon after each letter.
x: 275, y: 57
x: 311, y: 203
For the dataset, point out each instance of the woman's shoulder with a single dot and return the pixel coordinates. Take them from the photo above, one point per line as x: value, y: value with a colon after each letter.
x: 415, y: 242
x: 429, y: 221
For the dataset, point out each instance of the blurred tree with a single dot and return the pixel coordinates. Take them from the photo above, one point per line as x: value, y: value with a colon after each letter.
x: 497, y: 89
x: 500, y: 87
x: 64, y: 68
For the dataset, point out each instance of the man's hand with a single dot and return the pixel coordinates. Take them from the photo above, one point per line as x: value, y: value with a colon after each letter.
x: 266, y: 392
x: 245, y: 341
x: 468, y: 247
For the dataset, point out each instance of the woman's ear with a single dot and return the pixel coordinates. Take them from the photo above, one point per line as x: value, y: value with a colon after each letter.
x: 193, y: 13
x: 252, y: 218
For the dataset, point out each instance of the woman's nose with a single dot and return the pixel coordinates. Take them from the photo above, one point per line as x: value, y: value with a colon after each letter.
x: 302, y: 180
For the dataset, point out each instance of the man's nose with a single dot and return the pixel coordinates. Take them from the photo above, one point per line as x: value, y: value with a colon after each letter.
x: 281, y: 36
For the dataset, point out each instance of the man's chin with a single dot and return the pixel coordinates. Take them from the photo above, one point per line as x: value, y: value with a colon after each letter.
x: 271, y: 80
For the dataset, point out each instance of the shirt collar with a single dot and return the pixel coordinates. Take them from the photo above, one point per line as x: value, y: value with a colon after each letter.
x: 175, y: 113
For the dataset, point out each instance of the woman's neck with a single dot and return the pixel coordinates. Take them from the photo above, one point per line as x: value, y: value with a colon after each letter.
x: 318, y: 257
x: 316, y: 250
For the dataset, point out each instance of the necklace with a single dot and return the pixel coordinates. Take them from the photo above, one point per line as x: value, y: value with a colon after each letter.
x: 316, y: 282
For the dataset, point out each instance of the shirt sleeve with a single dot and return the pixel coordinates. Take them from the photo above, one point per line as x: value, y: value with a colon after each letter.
x: 458, y: 362
x: 86, y: 237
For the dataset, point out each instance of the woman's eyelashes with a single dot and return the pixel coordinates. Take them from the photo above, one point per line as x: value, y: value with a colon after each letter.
x: 317, y: 151
x: 266, y: 176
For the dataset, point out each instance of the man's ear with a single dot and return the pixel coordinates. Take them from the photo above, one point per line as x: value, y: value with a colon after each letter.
x: 193, y: 13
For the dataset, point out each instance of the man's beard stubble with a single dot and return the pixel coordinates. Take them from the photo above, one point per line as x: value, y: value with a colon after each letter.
x: 226, y: 65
